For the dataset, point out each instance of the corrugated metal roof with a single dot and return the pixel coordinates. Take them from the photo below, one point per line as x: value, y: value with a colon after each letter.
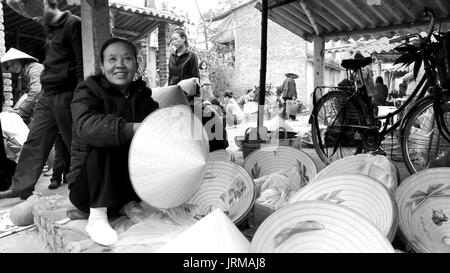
x: 130, y: 22
x: 372, y: 46
x: 345, y: 19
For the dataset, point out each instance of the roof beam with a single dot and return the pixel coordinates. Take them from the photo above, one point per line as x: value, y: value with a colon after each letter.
x: 404, y: 5
x: 357, y: 5
x: 286, y: 24
x: 279, y: 4
x: 125, y: 32
x: 147, y: 31
x: 148, y: 17
x: 327, y: 17
x: 310, y: 17
x: 343, y: 8
x: 291, y: 17
x: 332, y: 11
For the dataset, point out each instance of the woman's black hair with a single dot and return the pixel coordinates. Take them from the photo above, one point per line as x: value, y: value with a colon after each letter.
x: 228, y: 94
x: 114, y: 40
x: 379, y: 79
x: 201, y: 63
x: 182, y: 34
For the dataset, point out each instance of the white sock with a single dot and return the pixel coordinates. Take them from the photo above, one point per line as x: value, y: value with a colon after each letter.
x: 99, y: 229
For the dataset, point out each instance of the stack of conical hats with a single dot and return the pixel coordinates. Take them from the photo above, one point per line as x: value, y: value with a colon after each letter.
x: 376, y: 166
x: 423, y: 201
x: 318, y: 226
x: 359, y: 192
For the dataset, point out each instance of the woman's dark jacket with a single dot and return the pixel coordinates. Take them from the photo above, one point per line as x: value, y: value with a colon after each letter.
x: 103, y: 117
x: 182, y: 67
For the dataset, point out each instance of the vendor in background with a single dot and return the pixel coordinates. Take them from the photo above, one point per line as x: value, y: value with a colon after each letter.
x: 29, y: 71
x: 204, y: 73
x: 183, y: 66
x: 382, y: 92
x: 107, y: 109
x: 234, y: 114
x: 289, y: 92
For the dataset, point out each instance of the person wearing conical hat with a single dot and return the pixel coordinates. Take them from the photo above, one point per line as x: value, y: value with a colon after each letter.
x: 289, y: 91
x: 29, y: 70
x: 63, y: 70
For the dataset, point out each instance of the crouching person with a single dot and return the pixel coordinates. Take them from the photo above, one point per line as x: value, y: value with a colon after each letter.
x: 107, y: 109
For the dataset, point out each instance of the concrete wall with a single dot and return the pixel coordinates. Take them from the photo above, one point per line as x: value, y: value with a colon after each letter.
x: 286, y: 52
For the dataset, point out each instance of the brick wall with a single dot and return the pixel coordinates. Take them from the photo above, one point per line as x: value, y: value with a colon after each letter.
x: 286, y: 52
x: 7, y: 83
x: 163, y: 40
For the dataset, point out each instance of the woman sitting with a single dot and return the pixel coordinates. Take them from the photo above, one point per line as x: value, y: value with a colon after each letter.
x: 107, y: 109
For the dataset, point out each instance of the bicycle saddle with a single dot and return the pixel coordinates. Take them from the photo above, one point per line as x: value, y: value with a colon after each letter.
x: 355, y: 64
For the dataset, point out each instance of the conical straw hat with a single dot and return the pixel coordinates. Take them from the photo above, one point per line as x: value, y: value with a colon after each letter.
x: 14, y: 54
x: 359, y: 192
x: 271, y: 159
x: 318, y: 226
x: 169, y: 95
x: 423, y: 201
x: 276, y: 123
x: 376, y: 166
x: 167, y: 158
x: 215, y: 233
x: 221, y: 154
x: 226, y: 186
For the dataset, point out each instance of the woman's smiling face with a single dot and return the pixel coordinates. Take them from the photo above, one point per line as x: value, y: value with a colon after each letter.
x: 119, y: 64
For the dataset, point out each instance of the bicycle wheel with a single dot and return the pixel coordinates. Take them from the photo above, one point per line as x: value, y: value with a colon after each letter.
x: 332, y: 133
x: 422, y: 144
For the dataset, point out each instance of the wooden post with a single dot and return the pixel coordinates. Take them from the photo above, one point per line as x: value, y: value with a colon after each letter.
x: 262, y: 76
x: 95, y: 24
x: 319, y: 56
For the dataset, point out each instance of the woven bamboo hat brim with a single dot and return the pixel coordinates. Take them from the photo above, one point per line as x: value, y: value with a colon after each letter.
x: 169, y: 95
x: 214, y: 233
x: 318, y: 226
x: 291, y: 75
x: 276, y: 123
x: 226, y: 186
x: 14, y: 54
x: 167, y: 157
x: 359, y: 192
x: 222, y: 155
x: 271, y: 159
x: 376, y: 166
x: 423, y: 200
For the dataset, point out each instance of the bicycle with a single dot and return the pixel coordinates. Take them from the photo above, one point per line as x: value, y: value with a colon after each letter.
x: 343, y: 122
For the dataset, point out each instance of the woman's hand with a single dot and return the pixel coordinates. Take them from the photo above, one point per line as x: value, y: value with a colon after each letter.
x: 136, y: 126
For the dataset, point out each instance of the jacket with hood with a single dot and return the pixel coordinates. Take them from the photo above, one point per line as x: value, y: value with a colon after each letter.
x: 103, y: 117
x: 63, y: 65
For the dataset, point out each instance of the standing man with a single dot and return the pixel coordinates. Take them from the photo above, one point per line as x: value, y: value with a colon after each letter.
x: 63, y: 70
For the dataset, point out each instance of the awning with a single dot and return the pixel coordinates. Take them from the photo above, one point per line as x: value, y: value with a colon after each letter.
x: 345, y: 19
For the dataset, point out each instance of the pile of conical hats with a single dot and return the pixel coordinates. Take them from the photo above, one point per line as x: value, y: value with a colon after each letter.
x: 318, y: 226
x: 424, y: 208
x: 337, y: 211
x: 171, y: 169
